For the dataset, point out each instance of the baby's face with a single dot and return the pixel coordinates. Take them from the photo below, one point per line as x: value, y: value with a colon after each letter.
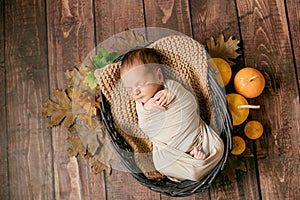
x: 142, y: 83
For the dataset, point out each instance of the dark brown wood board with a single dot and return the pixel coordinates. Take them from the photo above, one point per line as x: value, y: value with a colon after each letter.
x: 293, y: 17
x: 174, y: 15
x: 40, y: 40
x: 113, y: 17
x: 267, y: 47
x: 92, y: 185
x: 3, y: 132
x: 29, y: 142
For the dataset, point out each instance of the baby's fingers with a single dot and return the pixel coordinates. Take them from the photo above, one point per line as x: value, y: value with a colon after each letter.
x: 162, y: 101
x: 159, y: 108
x: 158, y: 95
x: 198, y: 154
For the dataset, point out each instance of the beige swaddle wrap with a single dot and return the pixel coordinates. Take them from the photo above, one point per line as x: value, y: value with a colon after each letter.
x: 174, y: 134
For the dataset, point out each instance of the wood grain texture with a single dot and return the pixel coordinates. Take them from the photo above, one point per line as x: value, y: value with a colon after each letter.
x: 267, y: 48
x: 121, y: 185
x: 170, y: 14
x: 29, y: 169
x: 70, y: 40
x: 93, y: 185
x: 200, y: 196
x: 116, y: 16
x: 211, y: 18
x: 293, y: 14
x: 244, y: 187
x: 29, y: 144
x: 4, y: 192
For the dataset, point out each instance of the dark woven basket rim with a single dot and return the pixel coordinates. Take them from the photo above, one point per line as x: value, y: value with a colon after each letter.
x: 166, y: 186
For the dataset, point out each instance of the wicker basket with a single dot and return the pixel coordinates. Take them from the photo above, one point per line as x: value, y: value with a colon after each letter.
x: 188, y: 58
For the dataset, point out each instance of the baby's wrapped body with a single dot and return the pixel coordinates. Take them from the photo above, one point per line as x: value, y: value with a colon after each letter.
x: 174, y: 134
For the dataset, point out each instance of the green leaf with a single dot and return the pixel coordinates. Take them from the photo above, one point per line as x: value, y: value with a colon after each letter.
x: 103, y: 58
x: 91, y: 80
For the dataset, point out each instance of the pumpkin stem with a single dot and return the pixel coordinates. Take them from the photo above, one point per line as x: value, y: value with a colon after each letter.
x: 249, y: 106
x: 252, y: 78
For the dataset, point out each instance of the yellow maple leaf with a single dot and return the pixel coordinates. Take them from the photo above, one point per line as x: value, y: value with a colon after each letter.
x: 75, y: 77
x: 77, y: 147
x: 98, y: 167
x: 223, y: 49
x: 83, y: 105
x: 59, y: 111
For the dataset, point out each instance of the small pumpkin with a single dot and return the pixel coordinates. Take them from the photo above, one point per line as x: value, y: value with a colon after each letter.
x: 239, y: 108
x: 238, y: 145
x: 249, y: 82
x: 221, y: 70
x: 253, y: 129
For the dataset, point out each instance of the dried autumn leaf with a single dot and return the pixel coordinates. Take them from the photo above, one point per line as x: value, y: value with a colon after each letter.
x: 73, y: 76
x: 77, y: 147
x: 60, y: 110
x: 72, y: 130
x: 98, y: 167
x: 97, y: 97
x: 80, y: 97
x: 83, y: 105
x: 88, y: 117
x: 223, y: 49
x: 96, y: 141
x: 234, y: 164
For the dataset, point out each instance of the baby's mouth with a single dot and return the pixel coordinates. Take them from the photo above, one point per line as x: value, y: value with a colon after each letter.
x: 140, y: 99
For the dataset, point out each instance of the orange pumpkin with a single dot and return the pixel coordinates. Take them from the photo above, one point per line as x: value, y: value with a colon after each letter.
x: 253, y: 129
x: 239, y: 108
x: 221, y: 70
x: 249, y: 82
x: 238, y: 145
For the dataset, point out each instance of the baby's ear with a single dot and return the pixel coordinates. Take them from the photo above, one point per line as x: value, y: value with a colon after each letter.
x: 160, y: 75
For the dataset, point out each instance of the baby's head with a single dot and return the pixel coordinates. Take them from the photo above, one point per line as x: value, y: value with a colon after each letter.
x: 141, y: 74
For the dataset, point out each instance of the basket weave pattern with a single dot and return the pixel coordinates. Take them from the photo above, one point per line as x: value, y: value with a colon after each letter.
x: 186, y: 62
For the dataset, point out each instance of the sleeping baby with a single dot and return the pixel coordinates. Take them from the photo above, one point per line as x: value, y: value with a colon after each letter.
x: 184, y: 146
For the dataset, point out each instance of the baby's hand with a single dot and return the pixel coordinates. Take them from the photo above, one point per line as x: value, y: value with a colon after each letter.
x: 161, y: 97
x: 198, y: 154
x: 151, y: 104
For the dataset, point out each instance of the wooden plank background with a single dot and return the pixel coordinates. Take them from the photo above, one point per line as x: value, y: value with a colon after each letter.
x: 29, y: 142
x: 40, y: 40
x: 4, y: 193
x: 268, y: 48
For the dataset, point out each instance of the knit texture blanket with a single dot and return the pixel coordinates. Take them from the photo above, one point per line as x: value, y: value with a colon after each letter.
x: 187, y: 64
